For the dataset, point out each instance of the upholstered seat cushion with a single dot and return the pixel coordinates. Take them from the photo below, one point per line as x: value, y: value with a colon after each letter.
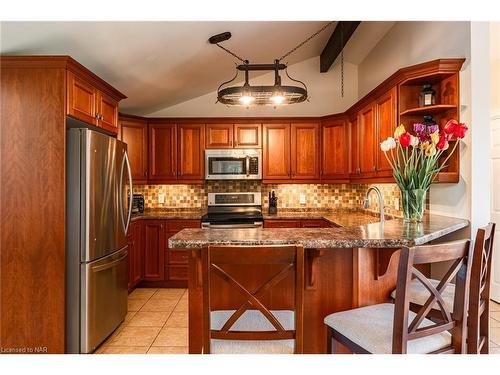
x: 252, y: 320
x: 371, y: 328
x: 419, y: 294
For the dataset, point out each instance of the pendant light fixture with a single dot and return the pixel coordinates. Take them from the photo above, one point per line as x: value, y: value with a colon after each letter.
x: 274, y: 95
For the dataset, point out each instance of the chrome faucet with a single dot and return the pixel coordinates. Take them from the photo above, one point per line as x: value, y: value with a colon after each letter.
x: 380, y: 201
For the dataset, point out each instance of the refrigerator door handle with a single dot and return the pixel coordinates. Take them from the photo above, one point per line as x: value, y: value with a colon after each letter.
x: 130, y: 201
x: 108, y: 265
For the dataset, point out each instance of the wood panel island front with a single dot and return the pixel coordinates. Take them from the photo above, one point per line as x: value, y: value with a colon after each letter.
x: 346, y: 267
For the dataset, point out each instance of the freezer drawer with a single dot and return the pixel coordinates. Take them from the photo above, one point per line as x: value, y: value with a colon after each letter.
x: 104, y: 298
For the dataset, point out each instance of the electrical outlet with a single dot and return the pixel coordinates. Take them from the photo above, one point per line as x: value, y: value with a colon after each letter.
x: 161, y: 198
x: 302, y: 199
x: 396, y: 204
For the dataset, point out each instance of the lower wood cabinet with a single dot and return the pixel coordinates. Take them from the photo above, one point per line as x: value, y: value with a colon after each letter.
x: 135, y: 254
x: 154, y: 254
x: 151, y: 261
x: 177, y: 259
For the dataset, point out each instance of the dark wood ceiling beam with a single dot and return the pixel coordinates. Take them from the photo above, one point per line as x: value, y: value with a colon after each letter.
x: 340, y: 36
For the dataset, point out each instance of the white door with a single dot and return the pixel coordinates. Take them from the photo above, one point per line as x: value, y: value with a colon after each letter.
x: 495, y: 203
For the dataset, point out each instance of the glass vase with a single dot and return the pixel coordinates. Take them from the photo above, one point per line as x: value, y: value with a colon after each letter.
x: 413, y: 205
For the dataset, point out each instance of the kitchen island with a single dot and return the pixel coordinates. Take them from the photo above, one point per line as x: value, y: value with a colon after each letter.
x: 346, y: 267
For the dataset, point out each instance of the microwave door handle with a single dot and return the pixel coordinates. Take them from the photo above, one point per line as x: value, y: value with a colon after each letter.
x: 248, y: 165
x: 129, y: 172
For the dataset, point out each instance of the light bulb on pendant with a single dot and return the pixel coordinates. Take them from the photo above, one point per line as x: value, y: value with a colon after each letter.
x: 277, y: 98
x: 246, y: 99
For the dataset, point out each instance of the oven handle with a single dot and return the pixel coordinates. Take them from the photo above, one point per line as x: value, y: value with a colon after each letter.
x: 248, y: 165
x: 231, y: 226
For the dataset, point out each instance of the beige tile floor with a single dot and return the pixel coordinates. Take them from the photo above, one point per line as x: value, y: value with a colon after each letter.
x: 157, y: 323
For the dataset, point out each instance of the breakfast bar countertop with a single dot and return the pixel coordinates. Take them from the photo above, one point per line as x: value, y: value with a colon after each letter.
x: 390, y: 234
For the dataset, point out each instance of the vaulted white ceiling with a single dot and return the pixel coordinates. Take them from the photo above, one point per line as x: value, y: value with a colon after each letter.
x: 160, y: 64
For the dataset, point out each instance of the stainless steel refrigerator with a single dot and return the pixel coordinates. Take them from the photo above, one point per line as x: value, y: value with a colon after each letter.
x: 98, y: 213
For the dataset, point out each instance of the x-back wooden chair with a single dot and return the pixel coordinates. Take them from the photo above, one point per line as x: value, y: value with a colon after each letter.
x: 479, y: 293
x: 394, y: 328
x: 252, y: 327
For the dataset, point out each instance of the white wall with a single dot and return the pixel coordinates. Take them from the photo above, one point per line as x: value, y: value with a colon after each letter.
x: 409, y: 43
x: 323, y: 88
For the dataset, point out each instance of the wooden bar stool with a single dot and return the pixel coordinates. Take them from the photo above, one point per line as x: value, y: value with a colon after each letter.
x: 252, y: 327
x: 394, y: 328
x: 479, y: 293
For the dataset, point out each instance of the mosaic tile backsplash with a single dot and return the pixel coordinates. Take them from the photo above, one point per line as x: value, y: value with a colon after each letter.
x: 317, y: 196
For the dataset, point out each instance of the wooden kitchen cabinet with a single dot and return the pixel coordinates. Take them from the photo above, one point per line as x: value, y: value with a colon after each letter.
x: 334, y: 146
x: 305, y: 149
x: 107, y: 109
x: 134, y: 132
x: 367, y: 141
x: 87, y: 103
x: 354, y: 131
x: 135, y: 254
x: 247, y: 135
x: 154, y: 253
x: 386, y: 115
x: 276, y: 152
x: 219, y: 135
x: 177, y: 259
x: 162, y: 153
x: 82, y: 99
x: 191, y: 152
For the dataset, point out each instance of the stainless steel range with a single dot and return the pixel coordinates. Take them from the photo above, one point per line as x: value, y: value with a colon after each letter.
x: 233, y: 210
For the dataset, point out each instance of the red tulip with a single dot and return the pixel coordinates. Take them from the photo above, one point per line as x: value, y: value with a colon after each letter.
x: 405, y: 139
x: 450, y: 126
x: 460, y: 130
x: 443, y: 141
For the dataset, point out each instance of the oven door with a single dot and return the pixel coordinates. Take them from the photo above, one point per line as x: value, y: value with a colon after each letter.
x: 233, y: 164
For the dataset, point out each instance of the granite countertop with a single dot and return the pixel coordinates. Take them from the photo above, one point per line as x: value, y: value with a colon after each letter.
x: 392, y: 233
x: 342, y: 217
x: 165, y: 214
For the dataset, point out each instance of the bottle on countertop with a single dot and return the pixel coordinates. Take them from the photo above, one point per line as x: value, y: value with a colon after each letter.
x: 273, y: 203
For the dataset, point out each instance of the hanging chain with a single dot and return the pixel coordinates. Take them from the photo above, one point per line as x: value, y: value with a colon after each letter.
x: 232, y: 53
x: 305, y: 41
x: 286, y: 54
x: 342, y: 60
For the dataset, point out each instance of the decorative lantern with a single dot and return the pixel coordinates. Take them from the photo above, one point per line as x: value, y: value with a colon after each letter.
x: 427, y: 96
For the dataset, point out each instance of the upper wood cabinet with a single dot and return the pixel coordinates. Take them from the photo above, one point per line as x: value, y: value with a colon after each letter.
x: 82, y: 99
x: 334, y: 147
x: 233, y: 135
x: 247, y: 135
x: 87, y: 103
x: 305, y: 151
x: 386, y: 123
x: 191, y: 151
x: 107, y: 109
x: 276, y: 152
x: 354, y: 133
x: 367, y: 141
x: 162, y: 153
x: 219, y: 135
x: 134, y: 132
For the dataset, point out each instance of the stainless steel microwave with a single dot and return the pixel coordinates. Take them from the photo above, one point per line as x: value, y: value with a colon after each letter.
x: 243, y: 164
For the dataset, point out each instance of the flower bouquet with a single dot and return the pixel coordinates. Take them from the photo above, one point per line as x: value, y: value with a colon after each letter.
x: 414, y: 159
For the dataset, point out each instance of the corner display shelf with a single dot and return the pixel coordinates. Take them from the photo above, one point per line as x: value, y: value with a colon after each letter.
x: 443, y: 75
